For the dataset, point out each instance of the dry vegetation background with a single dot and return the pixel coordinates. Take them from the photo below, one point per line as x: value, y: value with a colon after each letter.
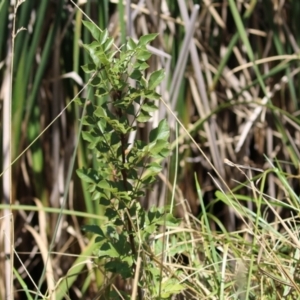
x: 232, y: 78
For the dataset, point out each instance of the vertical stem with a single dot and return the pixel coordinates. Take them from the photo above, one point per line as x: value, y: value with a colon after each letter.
x: 8, y: 234
x: 7, y: 183
x: 124, y: 176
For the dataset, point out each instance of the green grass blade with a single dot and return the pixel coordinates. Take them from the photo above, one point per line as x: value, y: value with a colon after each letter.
x: 214, y: 256
x: 121, y: 12
x: 23, y: 285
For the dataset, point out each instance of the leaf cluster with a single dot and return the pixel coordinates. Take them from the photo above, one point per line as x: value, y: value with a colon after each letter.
x: 123, y: 172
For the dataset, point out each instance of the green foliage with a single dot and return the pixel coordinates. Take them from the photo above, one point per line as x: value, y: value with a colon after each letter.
x: 124, y: 172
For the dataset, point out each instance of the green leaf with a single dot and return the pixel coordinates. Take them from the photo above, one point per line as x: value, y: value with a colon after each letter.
x: 143, y: 55
x: 100, y: 112
x: 154, y: 167
x: 87, y: 120
x: 152, y: 95
x: 148, y: 179
x: 141, y: 65
x: 131, y: 45
x: 107, y: 250
x: 117, y: 126
x: 89, y: 68
x: 104, y: 201
x: 136, y: 74
x: 143, y: 82
x: 96, y: 196
x: 119, y: 267
x: 161, y: 132
x: 163, y: 153
x: 155, y: 79
x: 80, y: 101
x: 114, y: 139
x: 95, y: 31
x: 92, y: 48
x: 149, y: 107
x: 108, y: 44
x: 88, y: 175
x: 101, y: 57
x: 157, y: 146
x: 87, y: 136
x: 103, y: 36
x: 106, y: 185
x: 101, y: 147
x: 170, y: 287
x: 110, y: 213
x: 100, y: 239
x: 122, y: 245
x: 146, y: 39
x: 143, y: 117
x: 101, y: 92
x: 149, y: 229
x: 95, y: 82
x: 130, y: 110
x: 169, y: 220
x: 93, y: 229
x: 118, y: 222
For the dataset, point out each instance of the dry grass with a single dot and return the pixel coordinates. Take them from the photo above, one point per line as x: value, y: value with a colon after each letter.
x: 232, y: 72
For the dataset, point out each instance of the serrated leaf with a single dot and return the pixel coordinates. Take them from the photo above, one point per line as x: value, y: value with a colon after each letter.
x: 122, y: 245
x: 146, y: 39
x: 105, y: 185
x: 94, y: 30
x: 108, y: 250
x: 155, y: 79
x: 119, y: 267
x: 161, y: 132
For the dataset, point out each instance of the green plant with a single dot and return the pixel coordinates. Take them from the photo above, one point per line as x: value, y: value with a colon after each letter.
x: 123, y: 172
